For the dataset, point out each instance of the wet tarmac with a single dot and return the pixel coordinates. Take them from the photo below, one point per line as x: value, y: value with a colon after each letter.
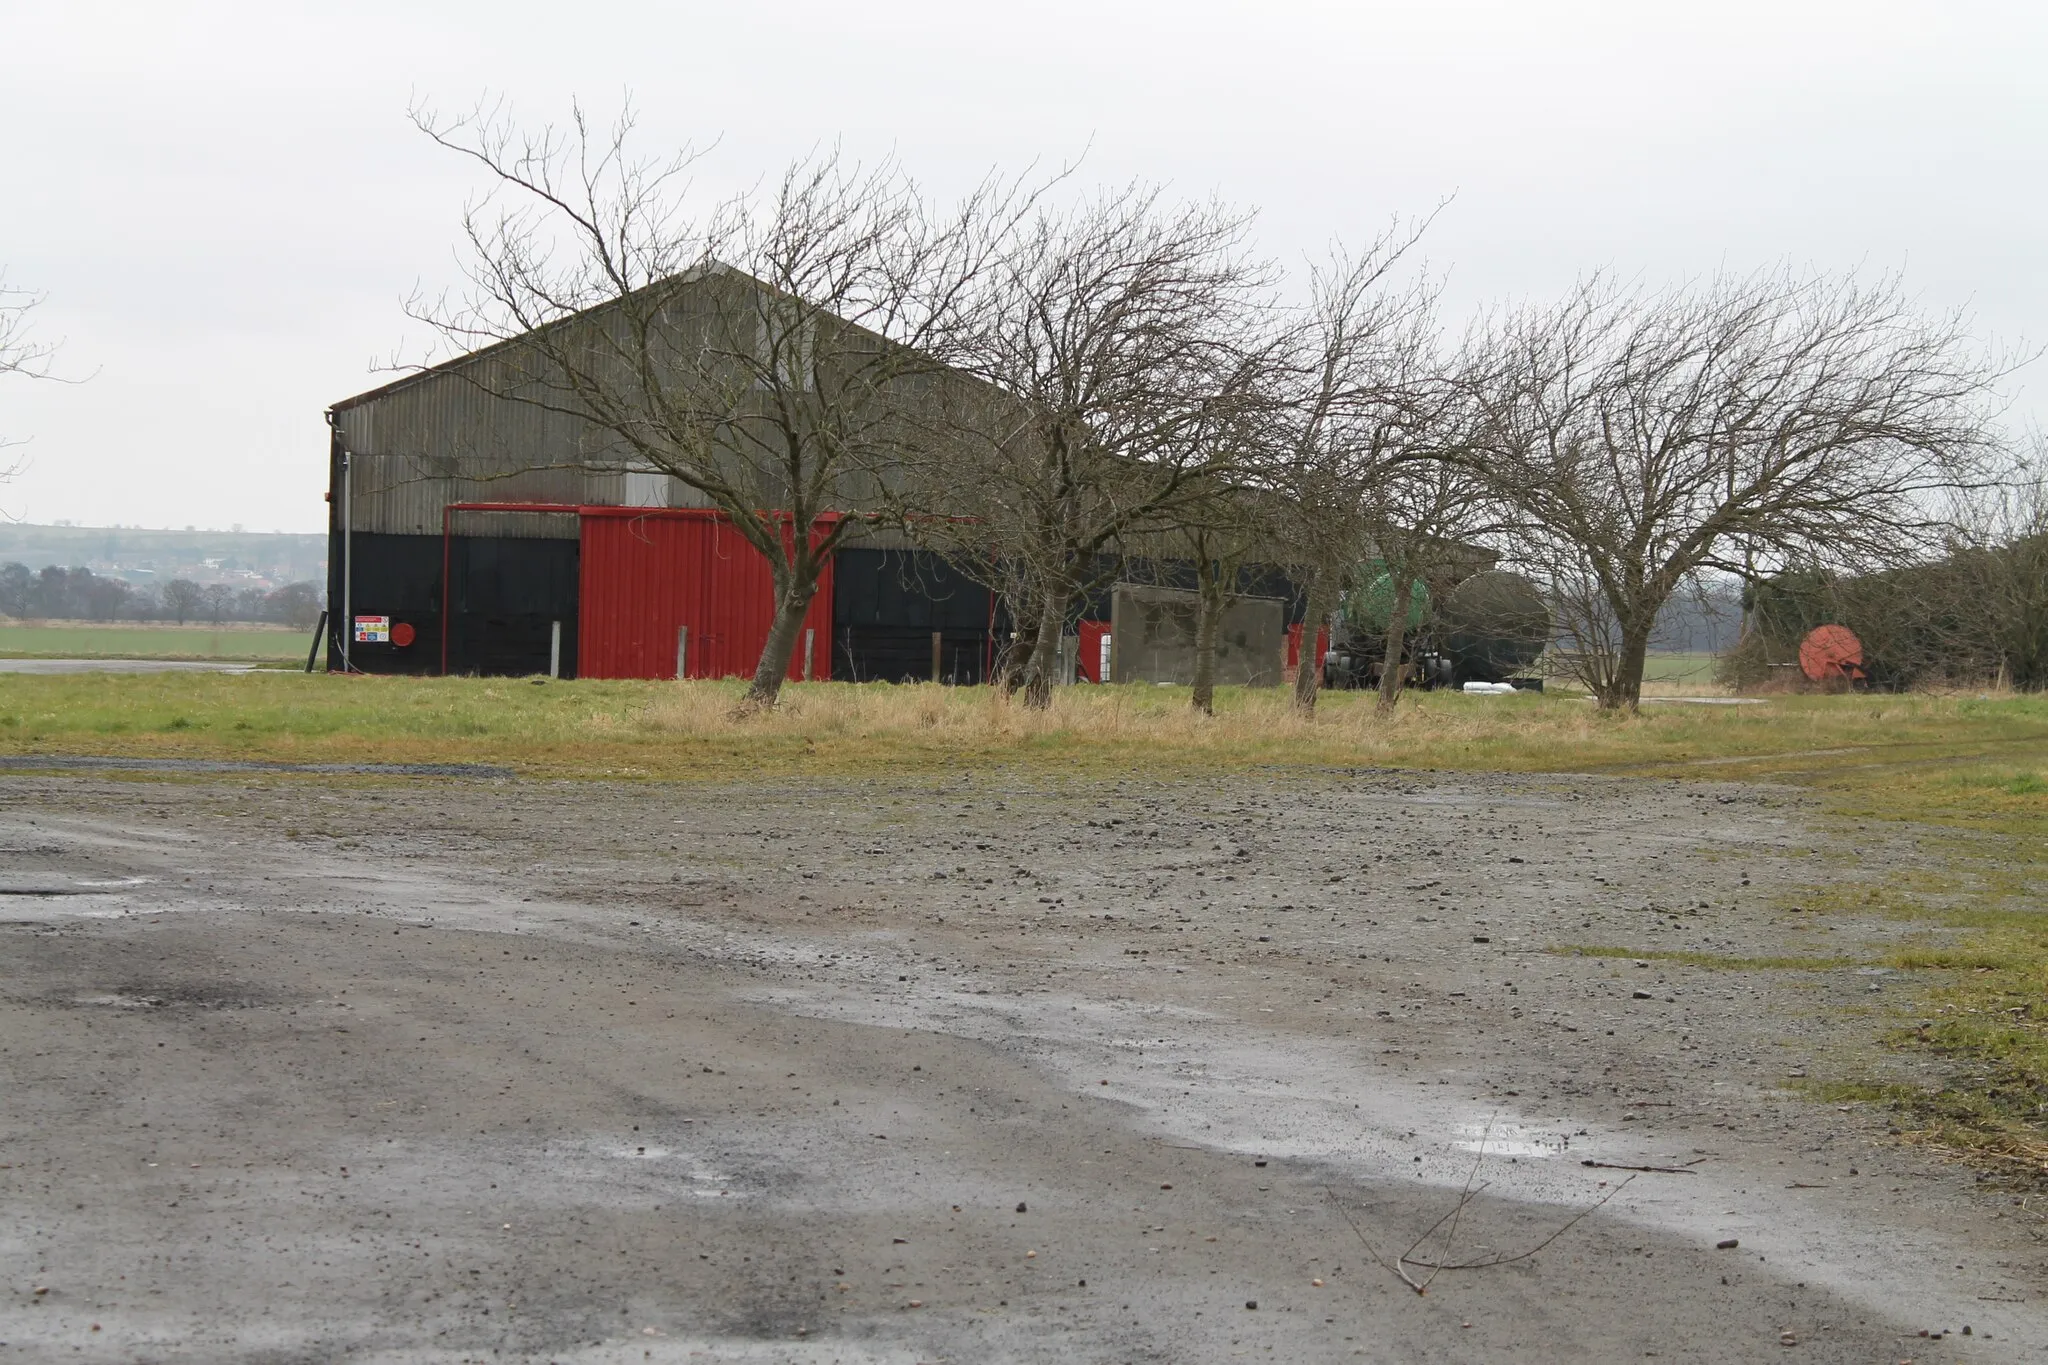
x: 125, y: 666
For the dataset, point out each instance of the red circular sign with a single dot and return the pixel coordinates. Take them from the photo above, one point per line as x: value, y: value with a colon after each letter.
x: 402, y: 633
x: 1826, y: 652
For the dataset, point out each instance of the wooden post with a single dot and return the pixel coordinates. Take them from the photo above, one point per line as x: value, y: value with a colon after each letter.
x: 938, y: 641
x: 554, y: 649
x: 319, y: 633
x: 810, y: 634
x: 682, y: 652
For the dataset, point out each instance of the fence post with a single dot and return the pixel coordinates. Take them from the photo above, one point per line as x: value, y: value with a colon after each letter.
x: 319, y: 634
x: 938, y: 641
x: 554, y: 649
x: 682, y: 652
x: 809, y: 635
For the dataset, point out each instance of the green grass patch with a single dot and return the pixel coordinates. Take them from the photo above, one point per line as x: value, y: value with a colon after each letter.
x: 1839, y: 1091
x: 1982, y: 968
x: 1677, y: 666
x: 92, y: 641
x: 2001, y: 780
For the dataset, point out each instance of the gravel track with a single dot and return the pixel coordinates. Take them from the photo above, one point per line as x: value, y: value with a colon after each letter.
x: 446, y: 1069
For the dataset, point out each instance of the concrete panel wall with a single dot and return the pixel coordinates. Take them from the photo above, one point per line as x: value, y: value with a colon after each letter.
x: 1152, y: 632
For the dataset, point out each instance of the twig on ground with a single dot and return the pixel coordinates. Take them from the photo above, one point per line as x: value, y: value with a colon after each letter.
x: 1655, y: 1170
x: 1365, y: 1242
x: 1399, y: 1266
x: 1465, y: 1196
x: 1505, y: 1259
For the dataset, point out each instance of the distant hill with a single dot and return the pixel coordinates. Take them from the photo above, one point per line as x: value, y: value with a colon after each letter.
x: 242, y: 558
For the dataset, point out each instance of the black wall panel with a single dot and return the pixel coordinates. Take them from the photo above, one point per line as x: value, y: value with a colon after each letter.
x: 508, y: 592
x: 886, y: 605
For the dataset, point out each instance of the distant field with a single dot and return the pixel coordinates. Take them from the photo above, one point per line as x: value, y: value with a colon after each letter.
x: 83, y: 640
x: 1674, y: 674
x: 1665, y: 668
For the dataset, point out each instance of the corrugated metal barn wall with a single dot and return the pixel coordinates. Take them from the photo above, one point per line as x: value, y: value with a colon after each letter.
x: 441, y: 437
x: 648, y: 575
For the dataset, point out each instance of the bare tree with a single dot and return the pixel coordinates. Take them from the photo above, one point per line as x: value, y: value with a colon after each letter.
x: 182, y: 598
x: 2003, y: 557
x: 1348, y: 403
x: 1643, y: 437
x: 1112, y: 346
x: 1977, y: 612
x: 21, y: 354
x: 1422, y: 516
x: 767, y: 351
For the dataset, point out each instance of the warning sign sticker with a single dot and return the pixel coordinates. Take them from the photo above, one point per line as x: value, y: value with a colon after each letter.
x: 373, y: 630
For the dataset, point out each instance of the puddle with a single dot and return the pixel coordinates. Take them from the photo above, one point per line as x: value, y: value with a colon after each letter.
x: 1230, y: 1085
x: 679, y: 1345
x: 1509, y: 1139
x: 170, y: 997
x: 678, y: 1171
x: 103, y: 763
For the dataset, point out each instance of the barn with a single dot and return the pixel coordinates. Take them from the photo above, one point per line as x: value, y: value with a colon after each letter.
x: 473, y: 533
x: 476, y: 532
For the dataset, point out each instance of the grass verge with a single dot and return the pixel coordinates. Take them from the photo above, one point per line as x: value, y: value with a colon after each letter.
x: 1984, y: 1017
x: 691, y: 729
x: 1980, y: 959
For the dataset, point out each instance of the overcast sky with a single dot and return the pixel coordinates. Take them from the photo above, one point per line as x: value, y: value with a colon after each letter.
x: 226, y: 206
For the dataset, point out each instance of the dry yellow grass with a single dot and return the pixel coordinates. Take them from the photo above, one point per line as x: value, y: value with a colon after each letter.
x: 1144, y: 728
x: 691, y: 729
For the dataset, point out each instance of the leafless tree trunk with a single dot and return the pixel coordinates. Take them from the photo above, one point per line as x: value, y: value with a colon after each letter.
x: 770, y: 353
x: 1208, y: 623
x: 1042, y: 664
x: 1394, y: 669
x: 792, y: 604
x: 1216, y: 579
x: 1424, y: 518
x: 1778, y: 418
x: 1221, y: 534
x: 1014, y: 660
x: 1321, y: 601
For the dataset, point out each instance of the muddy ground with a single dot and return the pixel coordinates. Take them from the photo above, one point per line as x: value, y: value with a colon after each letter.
x: 443, y: 1069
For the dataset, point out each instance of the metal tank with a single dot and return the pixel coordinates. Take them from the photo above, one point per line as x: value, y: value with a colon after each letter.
x: 1488, y: 628
x: 1492, y: 626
